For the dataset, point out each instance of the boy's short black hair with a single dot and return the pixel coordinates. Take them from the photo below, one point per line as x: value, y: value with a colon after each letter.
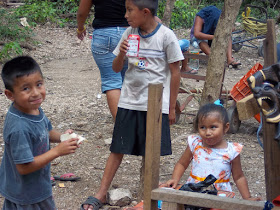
x: 152, y: 5
x: 18, y: 67
x: 207, y: 109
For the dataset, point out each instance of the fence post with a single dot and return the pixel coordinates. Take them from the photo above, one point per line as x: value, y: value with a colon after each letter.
x: 271, y: 147
x: 153, y: 141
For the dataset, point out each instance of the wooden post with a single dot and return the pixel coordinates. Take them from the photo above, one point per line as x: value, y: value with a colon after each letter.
x: 153, y: 142
x: 271, y: 147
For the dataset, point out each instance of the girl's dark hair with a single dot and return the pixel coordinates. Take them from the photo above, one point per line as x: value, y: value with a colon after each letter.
x: 18, y: 67
x: 152, y: 5
x: 207, y: 109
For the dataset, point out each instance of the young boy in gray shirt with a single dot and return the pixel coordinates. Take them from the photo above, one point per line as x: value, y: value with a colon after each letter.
x: 25, y: 168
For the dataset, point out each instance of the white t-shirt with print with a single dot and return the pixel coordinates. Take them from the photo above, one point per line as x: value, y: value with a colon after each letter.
x: 156, y: 51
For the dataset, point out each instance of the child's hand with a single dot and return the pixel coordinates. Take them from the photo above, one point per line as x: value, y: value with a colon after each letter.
x: 67, y: 147
x: 172, y: 116
x: 123, y: 47
x: 254, y: 199
x: 172, y: 183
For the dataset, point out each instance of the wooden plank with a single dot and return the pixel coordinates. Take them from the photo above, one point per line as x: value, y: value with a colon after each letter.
x: 247, y: 107
x: 193, y: 76
x: 204, y: 200
x: 153, y: 142
x: 271, y: 147
x: 196, y: 56
x: 172, y: 206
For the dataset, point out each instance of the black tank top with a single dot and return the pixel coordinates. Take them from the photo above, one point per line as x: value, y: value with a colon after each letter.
x: 109, y: 13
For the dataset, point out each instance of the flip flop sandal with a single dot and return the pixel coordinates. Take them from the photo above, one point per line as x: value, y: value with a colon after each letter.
x: 97, y: 204
x: 53, y: 181
x: 234, y: 64
x: 67, y: 177
x: 193, y: 71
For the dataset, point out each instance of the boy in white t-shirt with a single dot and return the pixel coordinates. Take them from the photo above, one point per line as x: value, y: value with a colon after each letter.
x: 157, y: 62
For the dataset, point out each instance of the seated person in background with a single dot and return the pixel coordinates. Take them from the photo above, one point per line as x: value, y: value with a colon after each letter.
x: 203, y: 32
x: 185, y: 44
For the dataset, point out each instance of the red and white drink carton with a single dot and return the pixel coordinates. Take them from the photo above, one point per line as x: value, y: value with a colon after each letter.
x: 134, y: 42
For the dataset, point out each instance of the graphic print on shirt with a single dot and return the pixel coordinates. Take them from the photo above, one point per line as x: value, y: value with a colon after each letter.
x: 142, y: 63
x: 212, y: 161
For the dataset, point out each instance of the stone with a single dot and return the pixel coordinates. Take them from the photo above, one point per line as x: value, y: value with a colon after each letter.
x: 108, y: 141
x: 119, y: 197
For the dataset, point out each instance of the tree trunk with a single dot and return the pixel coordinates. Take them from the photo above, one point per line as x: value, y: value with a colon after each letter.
x: 216, y: 64
x: 168, y: 12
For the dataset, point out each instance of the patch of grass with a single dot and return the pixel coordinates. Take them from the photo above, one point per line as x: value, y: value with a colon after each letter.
x: 57, y: 12
x: 10, y: 50
x: 12, y: 34
x: 183, y: 13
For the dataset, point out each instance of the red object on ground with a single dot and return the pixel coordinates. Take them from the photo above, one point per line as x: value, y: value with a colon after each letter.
x: 276, y: 201
x: 241, y: 89
x: 67, y: 177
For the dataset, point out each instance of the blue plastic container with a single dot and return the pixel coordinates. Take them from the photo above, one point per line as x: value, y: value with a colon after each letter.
x: 184, y: 44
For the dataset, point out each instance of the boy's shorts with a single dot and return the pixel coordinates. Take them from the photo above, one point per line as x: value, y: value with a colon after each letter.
x: 45, y: 204
x: 129, y: 136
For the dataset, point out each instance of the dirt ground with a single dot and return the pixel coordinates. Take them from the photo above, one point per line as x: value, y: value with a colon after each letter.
x: 73, y: 101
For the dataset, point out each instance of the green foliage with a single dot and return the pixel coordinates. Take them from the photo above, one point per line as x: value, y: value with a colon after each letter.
x: 11, y: 33
x: 58, y: 12
x: 9, y: 50
x: 271, y: 6
x: 10, y: 28
x: 37, y: 12
x: 67, y: 6
x: 183, y: 13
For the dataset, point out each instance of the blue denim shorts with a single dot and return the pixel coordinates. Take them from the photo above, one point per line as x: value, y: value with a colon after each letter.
x: 198, y: 40
x: 104, y: 41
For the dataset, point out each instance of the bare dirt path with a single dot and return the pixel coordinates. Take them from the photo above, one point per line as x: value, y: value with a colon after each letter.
x: 73, y: 88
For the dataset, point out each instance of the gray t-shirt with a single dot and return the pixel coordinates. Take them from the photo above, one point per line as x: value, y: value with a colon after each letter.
x: 156, y: 51
x: 25, y: 137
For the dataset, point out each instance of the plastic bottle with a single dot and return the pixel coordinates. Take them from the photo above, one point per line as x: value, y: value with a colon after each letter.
x: 195, y: 44
x: 194, y: 63
x: 159, y: 204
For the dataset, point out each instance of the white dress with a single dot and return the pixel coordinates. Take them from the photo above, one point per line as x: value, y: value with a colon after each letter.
x: 212, y: 161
